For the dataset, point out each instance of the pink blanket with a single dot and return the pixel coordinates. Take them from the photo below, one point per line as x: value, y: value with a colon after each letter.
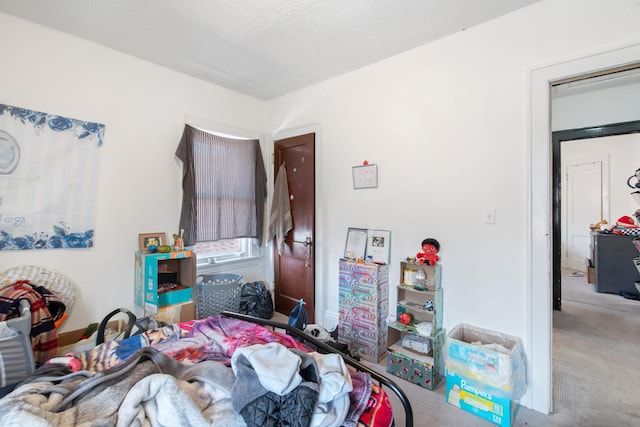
x: 212, y: 338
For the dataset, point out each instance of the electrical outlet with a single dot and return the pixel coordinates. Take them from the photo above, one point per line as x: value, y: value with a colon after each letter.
x: 490, y: 216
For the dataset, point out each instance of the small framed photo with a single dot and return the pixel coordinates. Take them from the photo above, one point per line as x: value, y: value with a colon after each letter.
x: 145, y: 239
x: 378, y: 246
x: 356, y: 244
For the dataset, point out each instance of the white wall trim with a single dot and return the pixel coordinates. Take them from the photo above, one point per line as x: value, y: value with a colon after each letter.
x: 539, y: 316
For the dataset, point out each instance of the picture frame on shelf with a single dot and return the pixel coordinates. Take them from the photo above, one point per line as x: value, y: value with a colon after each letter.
x: 143, y: 239
x: 356, y: 244
x: 378, y: 245
x: 369, y: 245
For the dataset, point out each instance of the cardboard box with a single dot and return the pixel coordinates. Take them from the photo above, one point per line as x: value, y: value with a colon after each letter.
x: 175, y: 296
x: 177, y: 313
x: 171, y: 277
x: 433, y: 275
x: 363, y: 295
x: 591, y: 272
x: 486, y: 357
x: 412, y: 365
x: 411, y: 369
x: 479, y: 400
x: 150, y: 267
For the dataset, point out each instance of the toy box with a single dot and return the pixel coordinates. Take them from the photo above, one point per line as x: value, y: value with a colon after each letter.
x: 479, y: 400
x: 487, y: 358
x: 411, y: 364
x: 176, y: 313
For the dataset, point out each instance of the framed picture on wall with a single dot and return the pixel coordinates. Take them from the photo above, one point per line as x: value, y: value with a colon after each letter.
x: 365, y: 176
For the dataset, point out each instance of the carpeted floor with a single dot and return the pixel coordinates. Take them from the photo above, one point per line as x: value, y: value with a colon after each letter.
x: 596, y: 341
x: 596, y: 345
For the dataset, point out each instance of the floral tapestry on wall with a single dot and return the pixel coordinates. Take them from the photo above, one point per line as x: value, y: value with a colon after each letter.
x: 49, y: 170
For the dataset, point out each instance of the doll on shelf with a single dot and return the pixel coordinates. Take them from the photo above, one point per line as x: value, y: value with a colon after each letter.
x: 429, y: 254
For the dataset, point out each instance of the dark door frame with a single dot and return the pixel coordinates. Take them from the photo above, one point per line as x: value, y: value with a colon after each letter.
x: 557, y: 138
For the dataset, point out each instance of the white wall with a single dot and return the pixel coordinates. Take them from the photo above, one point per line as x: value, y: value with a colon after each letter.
x: 597, y: 107
x: 448, y: 125
x: 143, y: 107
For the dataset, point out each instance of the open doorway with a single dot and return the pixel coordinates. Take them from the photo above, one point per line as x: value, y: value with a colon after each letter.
x: 560, y: 192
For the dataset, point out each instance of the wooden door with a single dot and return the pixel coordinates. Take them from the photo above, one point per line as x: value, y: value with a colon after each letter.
x: 294, y: 270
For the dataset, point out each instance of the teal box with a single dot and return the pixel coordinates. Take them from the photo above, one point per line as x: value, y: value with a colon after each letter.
x: 479, y: 400
x: 154, y: 269
x: 174, y: 297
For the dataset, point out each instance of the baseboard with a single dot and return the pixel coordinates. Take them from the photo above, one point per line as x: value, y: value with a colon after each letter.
x: 330, y: 320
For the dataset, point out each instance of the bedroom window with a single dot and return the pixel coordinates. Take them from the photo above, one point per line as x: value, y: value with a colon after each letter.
x: 225, y: 251
x: 224, y: 192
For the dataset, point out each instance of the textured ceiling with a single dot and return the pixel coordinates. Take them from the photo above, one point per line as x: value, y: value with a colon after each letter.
x: 262, y: 48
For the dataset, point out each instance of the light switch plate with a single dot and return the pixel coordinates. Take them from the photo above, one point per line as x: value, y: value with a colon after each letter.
x: 490, y: 216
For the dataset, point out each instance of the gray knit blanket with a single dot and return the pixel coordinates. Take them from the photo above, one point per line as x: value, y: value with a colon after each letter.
x: 149, y: 389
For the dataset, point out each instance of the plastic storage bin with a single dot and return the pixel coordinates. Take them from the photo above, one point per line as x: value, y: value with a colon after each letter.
x: 216, y: 293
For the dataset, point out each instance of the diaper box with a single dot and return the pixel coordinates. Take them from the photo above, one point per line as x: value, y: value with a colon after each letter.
x: 479, y: 400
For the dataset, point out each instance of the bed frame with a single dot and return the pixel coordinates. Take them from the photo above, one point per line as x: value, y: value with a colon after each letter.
x: 381, y: 379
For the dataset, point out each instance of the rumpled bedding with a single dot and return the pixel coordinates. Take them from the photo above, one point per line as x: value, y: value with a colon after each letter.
x: 181, y: 375
x: 280, y: 386
x: 150, y: 388
x: 212, y: 338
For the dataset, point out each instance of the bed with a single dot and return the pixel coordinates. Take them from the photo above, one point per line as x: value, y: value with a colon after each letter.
x: 228, y: 370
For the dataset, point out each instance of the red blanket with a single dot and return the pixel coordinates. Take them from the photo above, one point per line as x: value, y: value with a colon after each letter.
x: 46, y: 308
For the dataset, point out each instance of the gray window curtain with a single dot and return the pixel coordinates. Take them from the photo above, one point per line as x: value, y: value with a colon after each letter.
x: 224, y: 187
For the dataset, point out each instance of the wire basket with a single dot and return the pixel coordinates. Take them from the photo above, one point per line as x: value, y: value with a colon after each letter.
x: 216, y: 293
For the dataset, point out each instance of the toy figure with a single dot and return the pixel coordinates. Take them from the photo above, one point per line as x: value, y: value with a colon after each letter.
x: 430, y: 248
x: 178, y: 241
x: 152, y: 245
